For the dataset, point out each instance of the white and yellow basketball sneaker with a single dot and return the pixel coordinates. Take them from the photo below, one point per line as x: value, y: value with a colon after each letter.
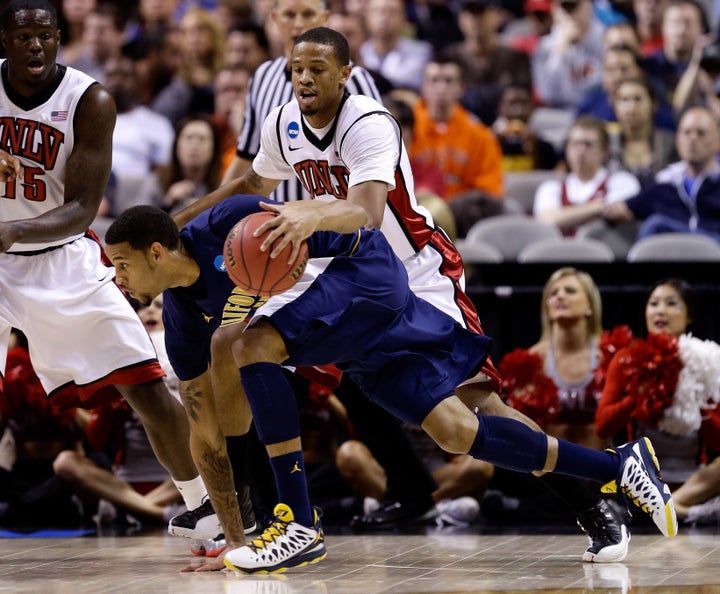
x: 284, y: 544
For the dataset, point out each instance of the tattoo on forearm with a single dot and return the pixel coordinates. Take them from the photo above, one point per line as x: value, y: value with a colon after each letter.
x: 254, y: 180
x: 214, y: 466
x: 192, y: 397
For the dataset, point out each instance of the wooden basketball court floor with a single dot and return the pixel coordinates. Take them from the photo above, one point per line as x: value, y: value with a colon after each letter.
x: 455, y: 561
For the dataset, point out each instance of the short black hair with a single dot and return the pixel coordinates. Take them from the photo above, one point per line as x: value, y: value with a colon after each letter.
x: 255, y: 30
x: 141, y: 226
x: 331, y: 38
x: 15, y: 6
x: 684, y: 290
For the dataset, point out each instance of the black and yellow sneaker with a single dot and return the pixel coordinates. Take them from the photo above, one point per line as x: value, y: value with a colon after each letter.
x: 640, y: 484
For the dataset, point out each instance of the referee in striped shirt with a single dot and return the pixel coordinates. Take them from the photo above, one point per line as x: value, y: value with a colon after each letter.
x: 271, y: 87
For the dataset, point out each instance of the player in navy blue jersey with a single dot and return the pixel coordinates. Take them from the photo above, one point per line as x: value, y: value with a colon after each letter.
x: 356, y: 310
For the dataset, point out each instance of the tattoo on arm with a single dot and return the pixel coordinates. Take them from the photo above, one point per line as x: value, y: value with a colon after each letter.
x: 192, y: 397
x: 214, y: 466
x: 254, y: 180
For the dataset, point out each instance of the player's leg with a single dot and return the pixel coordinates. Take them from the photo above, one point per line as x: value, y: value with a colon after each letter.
x: 607, y: 533
x: 632, y: 468
x: 295, y: 537
x: 247, y: 457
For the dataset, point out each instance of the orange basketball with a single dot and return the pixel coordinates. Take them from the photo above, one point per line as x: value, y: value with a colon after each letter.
x: 254, y: 271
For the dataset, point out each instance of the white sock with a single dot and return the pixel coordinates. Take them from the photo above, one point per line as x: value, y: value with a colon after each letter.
x: 193, y: 491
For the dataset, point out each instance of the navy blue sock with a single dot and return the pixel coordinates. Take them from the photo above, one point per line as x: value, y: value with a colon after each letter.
x: 576, y: 460
x: 292, y: 485
x: 511, y: 444
x: 276, y: 418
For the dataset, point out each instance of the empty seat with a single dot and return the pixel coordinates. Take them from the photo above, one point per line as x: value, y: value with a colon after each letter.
x: 522, y: 185
x: 568, y: 250
x: 478, y: 252
x: 511, y: 233
x: 619, y: 236
x: 685, y: 247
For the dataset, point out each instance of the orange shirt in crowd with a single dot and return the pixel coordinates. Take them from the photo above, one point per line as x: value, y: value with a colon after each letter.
x: 465, y: 150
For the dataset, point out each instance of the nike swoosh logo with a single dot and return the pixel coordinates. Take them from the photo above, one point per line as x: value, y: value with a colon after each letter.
x: 104, y: 277
x: 294, y: 148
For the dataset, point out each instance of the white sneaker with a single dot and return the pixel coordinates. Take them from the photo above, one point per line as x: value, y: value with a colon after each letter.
x: 284, y: 544
x: 705, y: 513
x: 457, y: 512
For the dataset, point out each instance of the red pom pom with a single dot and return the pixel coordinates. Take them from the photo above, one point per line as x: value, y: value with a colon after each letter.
x: 526, y: 388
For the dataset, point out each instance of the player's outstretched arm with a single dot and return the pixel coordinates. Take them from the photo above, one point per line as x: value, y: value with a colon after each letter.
x: 249, y: 183
x: 207, y: 444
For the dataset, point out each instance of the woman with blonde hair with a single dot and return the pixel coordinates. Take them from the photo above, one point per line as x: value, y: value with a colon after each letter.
x: 202, y: 49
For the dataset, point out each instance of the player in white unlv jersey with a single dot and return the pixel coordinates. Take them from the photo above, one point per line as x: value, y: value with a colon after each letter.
x: 86, y: 342
x: 271, y: 86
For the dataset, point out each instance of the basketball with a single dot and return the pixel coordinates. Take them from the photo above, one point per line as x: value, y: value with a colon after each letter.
x: 254, y: 271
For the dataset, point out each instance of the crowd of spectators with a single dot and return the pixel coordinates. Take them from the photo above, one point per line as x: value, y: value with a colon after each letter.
x: 495, y: 87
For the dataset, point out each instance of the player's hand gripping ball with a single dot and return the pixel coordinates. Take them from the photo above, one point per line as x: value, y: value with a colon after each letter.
x: 254, y: 271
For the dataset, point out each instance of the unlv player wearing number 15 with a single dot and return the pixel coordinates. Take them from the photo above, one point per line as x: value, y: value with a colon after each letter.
x: 86, y: 342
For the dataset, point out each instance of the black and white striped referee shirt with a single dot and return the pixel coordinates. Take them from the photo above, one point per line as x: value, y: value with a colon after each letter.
x: 271, y: 87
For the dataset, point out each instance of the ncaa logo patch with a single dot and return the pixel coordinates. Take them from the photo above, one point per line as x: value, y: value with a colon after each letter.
x: 293, y: 129
x: 219, y: 263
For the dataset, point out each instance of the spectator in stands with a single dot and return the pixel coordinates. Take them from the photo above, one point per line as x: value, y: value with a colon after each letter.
x: 450, y: 136
x: 568, y: 61
x: 686, y: 195
x: 649, y: 24
x: 589, y: 186
x: 683, y: 22
x: 352, y: 27
x: 32, y: 433
x: 623, y: 35
x: 246, y: 46
x: 399, y: 59
x: 194, y: 169
x: 102, y: 39
x: 536, y: 24
x: 665, y: 386
x: 231, y: 88
x: 142, y: 139
x: 202, y: 50
x: 153, y: 20
x: 645, y: 148
x: 72, y: 24
x: 698, y: 84
x: 487, y: 65
x: 522, y: 149
x: 620, y: 64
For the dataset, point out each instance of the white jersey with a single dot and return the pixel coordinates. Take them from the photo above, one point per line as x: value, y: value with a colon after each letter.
x: 362, y: 143
x: 271, y: 87
x: 41, y: 136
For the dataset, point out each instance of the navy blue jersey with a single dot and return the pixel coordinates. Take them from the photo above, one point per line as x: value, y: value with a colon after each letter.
x: 192, y: 314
